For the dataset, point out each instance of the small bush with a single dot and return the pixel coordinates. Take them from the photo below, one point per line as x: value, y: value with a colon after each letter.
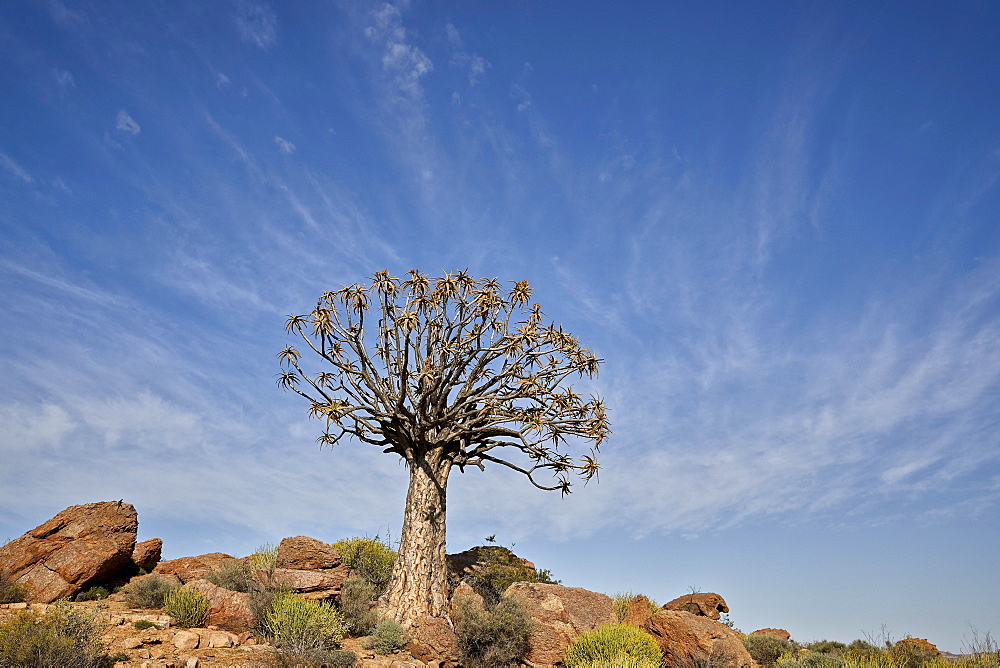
x: 230, y: 575
x: 149, y: 592
x: 369, y: 558
x: 611, y: 644
x: 765, y: 649
x: 298, y: 624
x: 498, y: 637
x: 10, y: 591
x: 831, y: 647
x: 356, y: 598
x: 189, y: 608
x: 387, y: 638
x: 145, y: 624
x: 264, y: 559
x: 909, y: 653
x: 61, y: 637
x: 92, y: 594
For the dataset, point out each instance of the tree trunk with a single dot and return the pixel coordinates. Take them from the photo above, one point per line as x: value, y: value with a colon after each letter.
x: 418, y: 586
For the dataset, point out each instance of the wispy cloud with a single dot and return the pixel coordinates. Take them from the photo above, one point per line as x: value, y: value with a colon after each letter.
x: 404, y: 62
x: 14, y: 168
x: 284, y: 145
x: 127, y: 124
x: 256, y: 23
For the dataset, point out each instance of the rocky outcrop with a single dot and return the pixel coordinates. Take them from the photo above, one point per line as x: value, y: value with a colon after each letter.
x: 308, y: 567
x: 780, y: 634
x: 560, y: 614
x: 688, y: 640
x: 147, y: 554
x: 79, y: 547
x: 189, y: 569
x: 309, y: 554
x: 708, y: 604
x: 229, y: 610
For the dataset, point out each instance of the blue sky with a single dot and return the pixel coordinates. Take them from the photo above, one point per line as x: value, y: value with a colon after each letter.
x: 777, y: 222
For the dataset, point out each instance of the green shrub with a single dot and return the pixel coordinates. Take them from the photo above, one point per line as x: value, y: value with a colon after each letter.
x: 831, y: 647
x: 369, y: 558
x: 810, y: 660
x: 231, y: 575
x: 611, y: 644
x: 765, y: 649
x: 61, y: 637
x: 145, y: 624
x: 909, y: 654
x: 264, y: 559
x: 623, y: 598
x: 148, y: 592
x: 92, y: 594
x: 189, y: 608
x: 356, y: 598
x: 387, y: 638
x: 298, y: 624
x: 10, y: 591
x: 490, y: 638
x: 500, y: 568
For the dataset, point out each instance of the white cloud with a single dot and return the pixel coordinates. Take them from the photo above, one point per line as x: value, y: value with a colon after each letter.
x: 11, y: 166
x: 284, y: 145
x: 406, y: 63
x: 256, y: 23
x: 126, y: 123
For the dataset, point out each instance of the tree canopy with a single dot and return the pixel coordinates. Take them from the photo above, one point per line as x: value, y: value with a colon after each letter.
x: 453, y: 363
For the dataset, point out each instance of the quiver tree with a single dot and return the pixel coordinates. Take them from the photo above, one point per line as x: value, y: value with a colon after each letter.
x: 444, y: 372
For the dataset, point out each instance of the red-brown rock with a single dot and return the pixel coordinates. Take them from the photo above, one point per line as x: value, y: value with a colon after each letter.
x: 229, y: 610
x: 708, y: 604
x: 780, y: 634
x: 687, y: 640
x: 189, y: 569
x: 433, y: 639
x: 147, y: 553
x: 308, y: 554
x: 638, y: 612
x: 317, y: 585
x: 81, y: 546
x: 560, y: 615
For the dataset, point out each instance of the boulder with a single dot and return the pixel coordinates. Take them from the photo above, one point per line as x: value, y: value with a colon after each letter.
x: 560, y: 614
x: 81, y: 546
x: 687, y: 640
x: 147, y: 554
x: 189, y: 569
x: 229, y: 610
x: 707, y: 605
x: 307, y: 554
x: 433, y: 639
x: 317, y: 585
x: 780, y: 634
x: 639, y: 610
